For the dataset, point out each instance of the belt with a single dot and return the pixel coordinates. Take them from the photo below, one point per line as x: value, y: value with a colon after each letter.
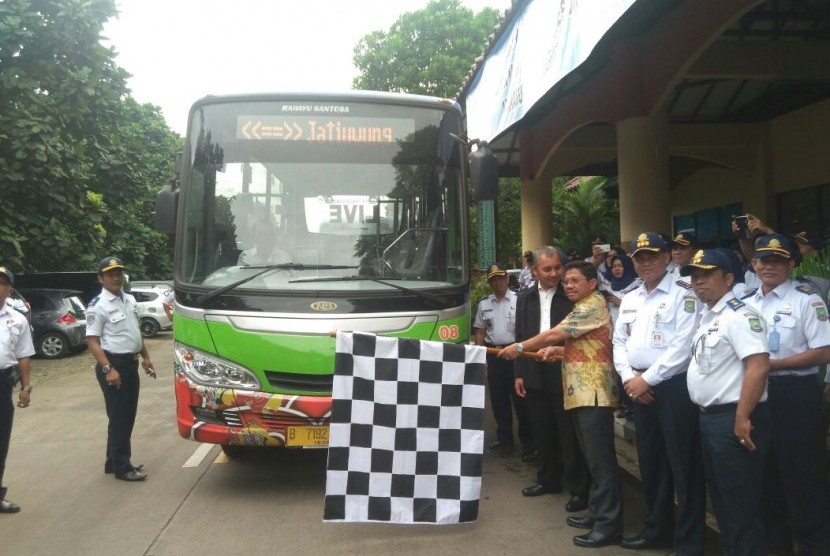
x: 641, y: 371
x: 783, y: 378
x: 111, y: 355
x: 722, y: 408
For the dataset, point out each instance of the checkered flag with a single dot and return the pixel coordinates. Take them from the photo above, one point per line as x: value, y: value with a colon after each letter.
x: 407, y: 431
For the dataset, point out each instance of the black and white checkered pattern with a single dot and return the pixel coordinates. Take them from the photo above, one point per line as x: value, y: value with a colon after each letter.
x: 407, y: 431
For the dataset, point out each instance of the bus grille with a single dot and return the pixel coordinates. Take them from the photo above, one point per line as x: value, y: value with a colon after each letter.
x: 320, y: 384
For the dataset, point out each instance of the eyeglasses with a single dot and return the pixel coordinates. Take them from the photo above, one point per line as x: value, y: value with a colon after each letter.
x: 574, y: 281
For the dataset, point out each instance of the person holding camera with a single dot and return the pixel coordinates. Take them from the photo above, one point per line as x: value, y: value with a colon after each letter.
x: 15, y: 350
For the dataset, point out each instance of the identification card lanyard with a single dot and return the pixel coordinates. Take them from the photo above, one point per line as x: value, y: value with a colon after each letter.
x: 656, y: 334
x: 774, y: 336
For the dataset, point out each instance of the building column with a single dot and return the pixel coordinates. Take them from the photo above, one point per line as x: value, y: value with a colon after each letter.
x: 537, y: 203
x: 643, y: 166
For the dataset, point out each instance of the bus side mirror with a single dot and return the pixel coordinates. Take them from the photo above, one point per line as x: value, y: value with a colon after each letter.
x: 484, y: 172
x: 167, y: 202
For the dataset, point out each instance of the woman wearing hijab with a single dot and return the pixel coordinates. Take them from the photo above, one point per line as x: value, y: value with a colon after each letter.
x: 623, y: 280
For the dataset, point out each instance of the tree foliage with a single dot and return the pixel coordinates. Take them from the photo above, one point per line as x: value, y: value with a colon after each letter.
x: 79, y: 159
x: 426, y: 52
x: 583, y: 213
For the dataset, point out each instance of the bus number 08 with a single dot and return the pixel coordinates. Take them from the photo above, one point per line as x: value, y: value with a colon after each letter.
x: 448, y: 332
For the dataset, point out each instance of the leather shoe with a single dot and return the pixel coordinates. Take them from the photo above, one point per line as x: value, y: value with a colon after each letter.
x: 7, y: 507
x: 499, y: 445
x: 539, y: 490
x: 581, y: 521
x: 529, y: 455
x: 595, y: 540
x: 640, y: 543
x: 577, y: 504
x: 139, y: 467
x: 131, y: 476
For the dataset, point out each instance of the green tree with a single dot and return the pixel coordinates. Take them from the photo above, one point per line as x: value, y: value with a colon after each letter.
x: 427, y: 52
x: 582, y: 213
x: 77, y: 155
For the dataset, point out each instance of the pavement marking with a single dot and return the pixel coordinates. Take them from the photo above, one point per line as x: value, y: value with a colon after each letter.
x: 198, y: 456
x: 222, y: 458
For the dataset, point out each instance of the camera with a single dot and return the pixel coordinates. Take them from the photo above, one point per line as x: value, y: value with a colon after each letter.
x: 742, y: 224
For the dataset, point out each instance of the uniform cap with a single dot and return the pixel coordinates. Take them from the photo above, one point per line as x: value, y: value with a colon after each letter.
x: 707, y: 259
x: 774, y: 244
x: 685, y: 238
x: 109, y: 263
x: 496, y: 269
x: 648, y: 241
x: 4, y: 271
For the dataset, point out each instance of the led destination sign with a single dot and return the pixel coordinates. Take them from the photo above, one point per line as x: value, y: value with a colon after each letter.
x: 325, y: 129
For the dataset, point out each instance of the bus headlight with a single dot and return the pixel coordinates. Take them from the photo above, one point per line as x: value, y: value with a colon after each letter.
x: 211, y: 370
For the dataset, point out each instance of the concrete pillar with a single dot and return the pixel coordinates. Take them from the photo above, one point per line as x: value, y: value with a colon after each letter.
x: 643, y: 165
x: 537, y: 228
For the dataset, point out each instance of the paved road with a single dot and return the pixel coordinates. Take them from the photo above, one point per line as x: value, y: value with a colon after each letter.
x: 196, y: 501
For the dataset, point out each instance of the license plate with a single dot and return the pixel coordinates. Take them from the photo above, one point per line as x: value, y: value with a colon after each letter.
x: 307, y: 436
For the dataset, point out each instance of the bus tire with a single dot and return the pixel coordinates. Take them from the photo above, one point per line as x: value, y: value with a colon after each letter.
x: 234, y: 450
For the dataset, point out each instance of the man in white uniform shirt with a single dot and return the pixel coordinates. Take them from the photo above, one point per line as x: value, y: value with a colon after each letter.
x: 15, y: 351
x: 796, y: 500
x: 652, y: 335
x: 728, y: 382
x: 495, y: 326
x: 114, y: 339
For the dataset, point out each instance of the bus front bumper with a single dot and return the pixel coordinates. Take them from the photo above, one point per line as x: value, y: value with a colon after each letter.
x: 247, y: 418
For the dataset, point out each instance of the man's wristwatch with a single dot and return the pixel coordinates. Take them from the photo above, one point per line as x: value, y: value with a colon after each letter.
x: 520, y: 348
x: 27, y: 389
x: 105, y: 368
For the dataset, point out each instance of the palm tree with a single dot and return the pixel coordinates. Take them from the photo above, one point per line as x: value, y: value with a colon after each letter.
x: 582, y: 211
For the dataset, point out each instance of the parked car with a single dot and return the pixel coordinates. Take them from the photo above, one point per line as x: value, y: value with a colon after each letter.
x: 151, y: 313
x: 58, y: 321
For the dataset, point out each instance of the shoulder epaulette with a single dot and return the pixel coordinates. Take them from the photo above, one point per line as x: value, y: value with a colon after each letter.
x: 683, y: 284
x: 735, y: 304
x: 806, y: 288
x: 94, y: 300
x: 750, y: 293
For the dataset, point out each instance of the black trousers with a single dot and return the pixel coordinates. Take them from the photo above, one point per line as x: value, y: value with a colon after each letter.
x: 6, y: 420
x: 122, y: 405
x: 595, y: 432
x: 735, y: 475
x: 668, y: 446
x: 555, y: 437
x: 796, y: 500
x: 500, y: 377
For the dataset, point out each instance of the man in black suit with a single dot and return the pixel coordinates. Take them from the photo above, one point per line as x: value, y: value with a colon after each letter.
x: 541, y: 384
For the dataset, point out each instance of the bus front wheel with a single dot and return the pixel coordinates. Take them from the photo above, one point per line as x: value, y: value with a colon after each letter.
x: 234, y: 450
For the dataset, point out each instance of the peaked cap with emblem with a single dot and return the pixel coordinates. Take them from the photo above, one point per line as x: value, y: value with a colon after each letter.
x: 707, y: 259
x: 109, y: 263
x: 775, y: 244
x: 496, y: 269
x: 648, y: 241
x: 4, y: 271
x: 685, y: 238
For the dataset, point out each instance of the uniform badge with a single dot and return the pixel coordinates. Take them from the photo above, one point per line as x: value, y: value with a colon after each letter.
x: 689, y: 305
x: 821, y: 313
x: 755, y: 324
x: 90, y: 318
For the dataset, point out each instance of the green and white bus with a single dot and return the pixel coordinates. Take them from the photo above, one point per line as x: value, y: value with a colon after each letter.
x: 297, y: 215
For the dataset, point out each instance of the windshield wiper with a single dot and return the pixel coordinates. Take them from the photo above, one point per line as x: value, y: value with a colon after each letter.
x: 419, y: 293
x: 265, y: 269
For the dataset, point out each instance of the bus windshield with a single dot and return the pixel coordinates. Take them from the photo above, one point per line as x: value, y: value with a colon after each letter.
x: 336, y: 195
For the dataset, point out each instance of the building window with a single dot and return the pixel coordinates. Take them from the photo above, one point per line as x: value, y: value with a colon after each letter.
x: 806, y: 210
x: 713, y: 226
